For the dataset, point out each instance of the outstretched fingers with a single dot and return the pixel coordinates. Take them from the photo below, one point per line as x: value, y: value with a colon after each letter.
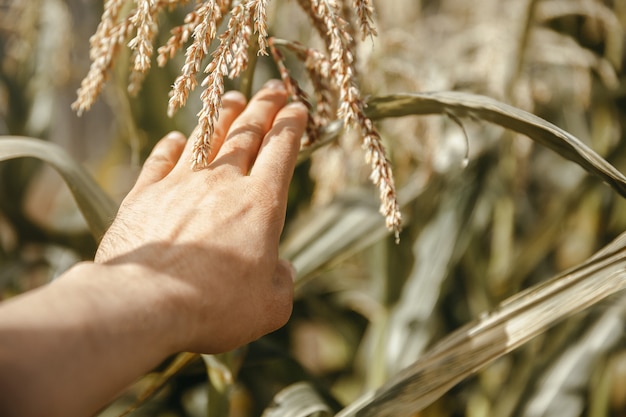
x: 277, y: 157
x: 246, y: 134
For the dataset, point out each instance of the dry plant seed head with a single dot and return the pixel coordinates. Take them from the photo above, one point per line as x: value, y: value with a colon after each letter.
x: 351, y: 107
x: 382, y: 177
x: 260, y: 24
x: 317, y: 66
x: 347, y: 12
x: 341, y: 57
x: 144, y: 19
x: 105, y: 43
x: 333, y: 76
x: 203, y: 20
x: 297, y: 94
x: 179, y: 36
x: 364, y: 11
x: 229, y: 59
x: 203, y: 23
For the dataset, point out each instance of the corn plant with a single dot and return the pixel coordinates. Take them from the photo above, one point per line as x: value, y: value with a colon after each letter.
x: 446, y: 296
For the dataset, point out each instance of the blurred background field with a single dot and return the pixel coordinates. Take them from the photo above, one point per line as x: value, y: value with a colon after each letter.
x: 478, y: 228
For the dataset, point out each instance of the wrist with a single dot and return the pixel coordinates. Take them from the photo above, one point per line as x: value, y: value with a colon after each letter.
x: 104, y: 320
x: 130, y: 301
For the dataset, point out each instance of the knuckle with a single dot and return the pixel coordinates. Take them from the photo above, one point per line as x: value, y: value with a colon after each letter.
x: 278, y: 312
x: 250, y: 128
x: 161, y: 157
x: 243, y: 141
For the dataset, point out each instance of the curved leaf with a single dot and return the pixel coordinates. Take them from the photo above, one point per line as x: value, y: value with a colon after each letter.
x: 517, y: 320
x: 460, y: 104
x: 298, y: 400
x: 180, y: 361
x: 96, y: 206
x: 562, y: 384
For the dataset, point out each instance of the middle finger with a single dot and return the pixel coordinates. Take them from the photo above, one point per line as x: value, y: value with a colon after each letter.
x: 246, y: 134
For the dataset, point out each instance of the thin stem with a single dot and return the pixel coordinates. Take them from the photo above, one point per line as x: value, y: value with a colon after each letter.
x: 247, y: 77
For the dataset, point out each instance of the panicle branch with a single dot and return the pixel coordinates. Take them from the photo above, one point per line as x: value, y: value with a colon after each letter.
x: 297, y: 94
x: 260, y: 23
x: 381, y: 176
x: 364, y: 11
x: 144, y: 19
x: 351, y: 107
x: 180, y: 34
x: 318, y: 68
x: 229, y: 59
x: 333, y: 75
x: 204, y: 22
x: 105, y: 44
x: 341, y: 58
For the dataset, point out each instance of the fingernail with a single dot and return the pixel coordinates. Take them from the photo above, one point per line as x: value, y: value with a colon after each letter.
x: 275, y: 85
x: 298, y: 104
x: 175, y: 136
x: 233, y: 95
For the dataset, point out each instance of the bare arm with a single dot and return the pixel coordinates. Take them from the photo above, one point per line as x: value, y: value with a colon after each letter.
x: 189, y: 264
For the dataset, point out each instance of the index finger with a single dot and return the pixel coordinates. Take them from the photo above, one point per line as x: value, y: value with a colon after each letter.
x: 277, y: 156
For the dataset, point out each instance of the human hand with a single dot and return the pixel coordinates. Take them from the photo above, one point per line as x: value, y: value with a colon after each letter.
x: 207, y: 241
x: 190, y: 263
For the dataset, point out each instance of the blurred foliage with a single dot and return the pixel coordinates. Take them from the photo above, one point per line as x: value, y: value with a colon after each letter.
x: 517, y: 214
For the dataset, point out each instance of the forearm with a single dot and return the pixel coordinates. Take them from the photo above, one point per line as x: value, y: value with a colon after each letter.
x: 68, y: 348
